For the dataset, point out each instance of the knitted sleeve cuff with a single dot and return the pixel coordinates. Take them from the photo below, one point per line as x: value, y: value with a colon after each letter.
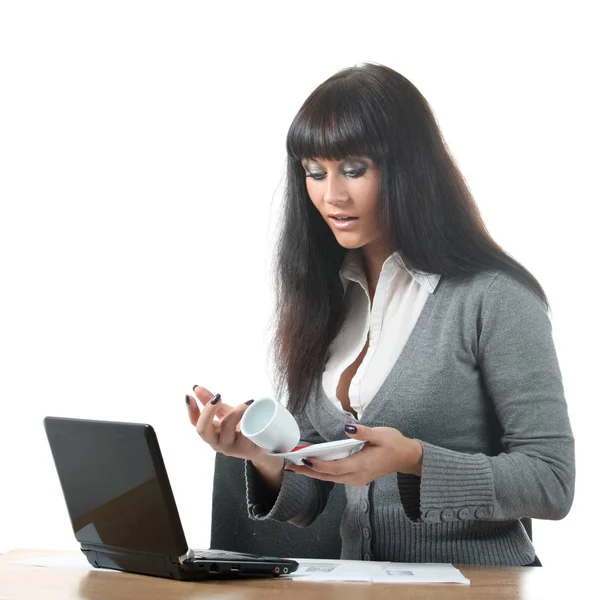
x: 300, y: 500
x: 455, y: 486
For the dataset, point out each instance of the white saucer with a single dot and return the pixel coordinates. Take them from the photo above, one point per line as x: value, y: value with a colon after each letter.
x: 325, y: 451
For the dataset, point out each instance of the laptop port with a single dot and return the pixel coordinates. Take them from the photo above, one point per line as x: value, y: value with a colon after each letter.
x: 235, y: 568
x: 214, y: 568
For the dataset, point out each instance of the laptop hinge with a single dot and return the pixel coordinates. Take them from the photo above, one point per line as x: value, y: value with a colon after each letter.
x: 188, y: 556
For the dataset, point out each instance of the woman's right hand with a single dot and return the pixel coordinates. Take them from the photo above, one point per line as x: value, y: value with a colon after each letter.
x: 218, y: 425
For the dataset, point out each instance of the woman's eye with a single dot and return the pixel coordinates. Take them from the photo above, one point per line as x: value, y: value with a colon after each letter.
x: 355, y: 172
x: 349, y: 173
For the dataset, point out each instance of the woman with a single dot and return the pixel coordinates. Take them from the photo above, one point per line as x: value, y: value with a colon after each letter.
x: 399, y: 321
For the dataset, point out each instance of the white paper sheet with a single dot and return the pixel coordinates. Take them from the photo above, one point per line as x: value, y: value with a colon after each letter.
x: 420, y: 573
x: 335, y: 570
x: 376, y: 572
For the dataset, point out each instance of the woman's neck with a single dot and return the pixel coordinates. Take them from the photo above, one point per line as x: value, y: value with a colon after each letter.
x: 374, y: 255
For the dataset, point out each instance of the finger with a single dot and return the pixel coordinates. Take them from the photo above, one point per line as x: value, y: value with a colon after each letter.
x: 342, y: 466
x: 204, y: 396
x: 355, y: 479
x: 209, y: 433
x: 308, y: 472
x: 206, y: 423
x: 230, y: 424
x: 192, y: 409
x: 362, y: 432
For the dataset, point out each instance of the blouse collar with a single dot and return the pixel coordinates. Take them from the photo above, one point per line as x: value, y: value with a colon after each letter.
x: 353, y: 270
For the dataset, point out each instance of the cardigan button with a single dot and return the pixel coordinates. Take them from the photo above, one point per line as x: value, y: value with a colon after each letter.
x: 464, y: 513
x: 447, y: 515
x: 366, y: 532
x: 432, y: 516
x: 481, y: 513
x: 367, y: 556
x: 364, y: 506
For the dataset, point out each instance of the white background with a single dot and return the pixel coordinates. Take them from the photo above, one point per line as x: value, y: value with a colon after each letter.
x: 141, y: 163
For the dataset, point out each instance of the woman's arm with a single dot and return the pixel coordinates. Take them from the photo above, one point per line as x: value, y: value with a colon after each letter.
x: 535, y: 475
x: 273, y: 493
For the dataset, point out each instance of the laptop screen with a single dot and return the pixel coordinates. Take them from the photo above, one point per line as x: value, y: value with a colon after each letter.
x: 115, y: 485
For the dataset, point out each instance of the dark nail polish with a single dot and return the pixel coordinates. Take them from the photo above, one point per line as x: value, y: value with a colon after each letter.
x: 350, y: 429
x: 215, y: 398
x: 248, y: 402
x: 187, y: 399
x: 194, y: 387
x: 307, y: 462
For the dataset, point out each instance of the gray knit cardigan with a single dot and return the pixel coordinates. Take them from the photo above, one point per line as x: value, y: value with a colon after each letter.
x: 479, y: 385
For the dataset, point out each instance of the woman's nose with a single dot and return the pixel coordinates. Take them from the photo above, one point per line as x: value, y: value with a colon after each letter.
x: 335, y: 189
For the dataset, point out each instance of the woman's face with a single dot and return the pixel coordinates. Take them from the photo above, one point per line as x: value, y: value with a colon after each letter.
x: 348, y: 188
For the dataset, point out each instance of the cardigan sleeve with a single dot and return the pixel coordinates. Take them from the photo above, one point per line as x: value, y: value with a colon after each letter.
x: 534, y: 475
x: 300, y: 500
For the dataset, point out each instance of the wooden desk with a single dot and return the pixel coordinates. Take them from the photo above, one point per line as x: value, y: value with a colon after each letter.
x: 20, y: 582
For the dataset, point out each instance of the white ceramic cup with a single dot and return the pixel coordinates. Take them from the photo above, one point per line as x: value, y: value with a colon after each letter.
x: 270, y: 425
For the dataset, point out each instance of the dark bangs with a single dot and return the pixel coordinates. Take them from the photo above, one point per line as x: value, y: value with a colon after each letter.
x: 339, y: 119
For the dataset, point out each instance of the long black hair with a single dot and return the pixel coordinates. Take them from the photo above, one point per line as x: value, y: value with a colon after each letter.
x: 429, y: 213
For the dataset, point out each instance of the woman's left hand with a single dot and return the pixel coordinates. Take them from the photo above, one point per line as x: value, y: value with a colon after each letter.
x: 387, y: 451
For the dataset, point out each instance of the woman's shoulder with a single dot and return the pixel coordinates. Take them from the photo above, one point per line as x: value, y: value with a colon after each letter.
x: 492, y: 287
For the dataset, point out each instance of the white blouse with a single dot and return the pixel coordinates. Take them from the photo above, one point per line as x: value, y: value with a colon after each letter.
x: 399, y: 298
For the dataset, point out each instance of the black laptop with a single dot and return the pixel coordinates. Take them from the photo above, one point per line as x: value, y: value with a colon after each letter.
x: 122, y: 508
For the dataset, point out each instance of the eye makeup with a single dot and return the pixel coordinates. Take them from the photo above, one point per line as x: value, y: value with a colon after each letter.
x: 351, y: 167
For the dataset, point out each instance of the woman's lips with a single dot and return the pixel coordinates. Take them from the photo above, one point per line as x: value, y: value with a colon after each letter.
x: 343, y: 224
